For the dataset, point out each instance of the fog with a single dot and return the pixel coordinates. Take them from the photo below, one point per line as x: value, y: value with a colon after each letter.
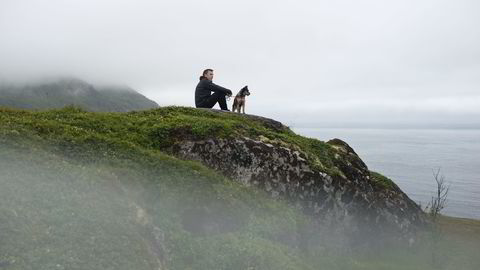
x: 63, y: 209
x: 307, y: 63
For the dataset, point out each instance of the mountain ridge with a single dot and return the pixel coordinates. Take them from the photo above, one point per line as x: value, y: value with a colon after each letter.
x: 54, y: 94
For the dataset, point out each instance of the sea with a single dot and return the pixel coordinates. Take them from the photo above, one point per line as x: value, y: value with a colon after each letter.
x: 410, y: 157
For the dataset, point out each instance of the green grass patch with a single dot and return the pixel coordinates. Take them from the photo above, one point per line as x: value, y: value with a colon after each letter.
x: 381, y: 180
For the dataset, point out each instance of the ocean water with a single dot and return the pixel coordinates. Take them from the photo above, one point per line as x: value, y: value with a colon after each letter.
x: 409, y: 157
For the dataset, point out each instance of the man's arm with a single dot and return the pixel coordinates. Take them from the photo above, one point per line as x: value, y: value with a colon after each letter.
x: 217, y: 88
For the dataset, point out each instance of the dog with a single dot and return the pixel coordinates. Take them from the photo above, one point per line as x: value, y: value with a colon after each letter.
x: 239, y: 101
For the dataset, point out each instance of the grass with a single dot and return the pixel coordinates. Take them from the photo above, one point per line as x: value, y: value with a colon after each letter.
x: 381, y: 180
x: 87, y: 175
x: 82, y: 190
x: 158, y: 129
x: 84, y: 215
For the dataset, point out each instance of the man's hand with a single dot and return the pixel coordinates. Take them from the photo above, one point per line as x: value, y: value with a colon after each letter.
x: 229, y: 93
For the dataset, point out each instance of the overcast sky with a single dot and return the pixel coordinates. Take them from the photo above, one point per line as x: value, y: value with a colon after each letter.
x: 343, y: 62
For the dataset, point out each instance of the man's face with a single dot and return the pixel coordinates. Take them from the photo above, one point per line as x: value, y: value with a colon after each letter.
x: 209, y: 75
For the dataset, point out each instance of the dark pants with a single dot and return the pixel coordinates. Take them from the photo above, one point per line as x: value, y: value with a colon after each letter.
x: 212, y: 100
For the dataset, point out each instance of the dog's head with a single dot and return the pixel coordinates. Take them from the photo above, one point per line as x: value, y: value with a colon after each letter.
x: 245, y: 91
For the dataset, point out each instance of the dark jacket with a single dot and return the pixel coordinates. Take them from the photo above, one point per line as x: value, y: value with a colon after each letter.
x: 205, y: 88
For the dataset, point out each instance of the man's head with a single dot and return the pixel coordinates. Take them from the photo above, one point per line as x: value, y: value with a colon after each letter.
x: 207, y: 74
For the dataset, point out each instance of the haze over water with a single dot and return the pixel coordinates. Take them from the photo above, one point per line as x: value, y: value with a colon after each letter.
x: 408, y: 157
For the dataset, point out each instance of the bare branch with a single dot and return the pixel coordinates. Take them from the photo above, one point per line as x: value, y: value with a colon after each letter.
x: 438, y: 202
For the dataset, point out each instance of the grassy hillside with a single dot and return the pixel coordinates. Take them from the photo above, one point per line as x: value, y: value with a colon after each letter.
x: 83, y: 190
x: 154, y: 130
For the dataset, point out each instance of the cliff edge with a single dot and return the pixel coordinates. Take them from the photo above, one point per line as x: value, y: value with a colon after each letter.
x: 327, y: 180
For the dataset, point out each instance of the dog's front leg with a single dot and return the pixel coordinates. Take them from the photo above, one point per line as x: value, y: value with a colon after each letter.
x: 243, y: 107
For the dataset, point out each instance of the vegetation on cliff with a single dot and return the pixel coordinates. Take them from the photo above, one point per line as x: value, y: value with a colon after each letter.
x: 82, y: 190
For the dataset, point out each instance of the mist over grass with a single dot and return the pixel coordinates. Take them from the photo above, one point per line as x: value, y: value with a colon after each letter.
x: 63, y: 213
x: 81, y: 191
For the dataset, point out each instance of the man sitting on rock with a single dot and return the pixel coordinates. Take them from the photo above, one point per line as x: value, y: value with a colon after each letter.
x: 203, y: 93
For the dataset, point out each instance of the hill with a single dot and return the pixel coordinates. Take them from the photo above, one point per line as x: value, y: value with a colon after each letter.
x: 183, y: 188
x: 64, y: 92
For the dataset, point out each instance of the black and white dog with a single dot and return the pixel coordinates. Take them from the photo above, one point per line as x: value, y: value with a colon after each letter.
x: 239, y: 101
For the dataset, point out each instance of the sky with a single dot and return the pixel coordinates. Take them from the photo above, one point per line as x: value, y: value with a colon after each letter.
x: 371, y: 63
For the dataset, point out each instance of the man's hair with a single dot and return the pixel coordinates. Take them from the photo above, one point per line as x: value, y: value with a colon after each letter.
x: 205, y: 73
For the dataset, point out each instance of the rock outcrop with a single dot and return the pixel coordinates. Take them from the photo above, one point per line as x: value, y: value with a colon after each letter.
x: 351, y: 198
